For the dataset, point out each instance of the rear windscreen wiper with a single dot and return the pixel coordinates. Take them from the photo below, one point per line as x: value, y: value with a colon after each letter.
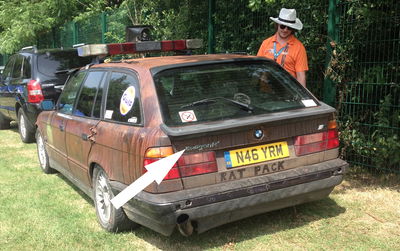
x: 214, y: 99
x: 67, y: 71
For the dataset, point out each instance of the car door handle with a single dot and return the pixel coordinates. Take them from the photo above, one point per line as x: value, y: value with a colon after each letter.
x: 90, y: 137
x: 85, y: 137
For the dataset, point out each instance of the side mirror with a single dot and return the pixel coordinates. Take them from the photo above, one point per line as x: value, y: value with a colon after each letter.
x: 47, y: 105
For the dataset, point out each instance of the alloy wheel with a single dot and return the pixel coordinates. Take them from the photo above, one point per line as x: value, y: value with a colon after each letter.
x: 41, y: 151
x: 22, y: 126
x: 103, y: 197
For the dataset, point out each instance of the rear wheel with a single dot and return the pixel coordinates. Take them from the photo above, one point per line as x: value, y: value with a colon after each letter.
x: 26, y: 132
x: 110, y: 218
x: 4, y: 123
x: 42, y: 154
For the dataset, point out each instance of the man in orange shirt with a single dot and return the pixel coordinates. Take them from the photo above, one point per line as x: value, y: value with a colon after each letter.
x: 284, y: 47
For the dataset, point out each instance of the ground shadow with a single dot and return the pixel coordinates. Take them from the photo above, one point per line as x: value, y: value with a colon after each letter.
x: 264, y: 224
x: 79, y: 191
x: 14, y: 127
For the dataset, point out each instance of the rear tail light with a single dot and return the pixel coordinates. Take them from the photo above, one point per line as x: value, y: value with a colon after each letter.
x: 187, y: 165
x: 317, y: 142
x: 122, y: 48
x: 35, y: 94
x: 174, y: 45
x: 197, y: 163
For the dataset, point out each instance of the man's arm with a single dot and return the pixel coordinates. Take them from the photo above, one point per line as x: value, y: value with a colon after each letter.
x: 301, y: 77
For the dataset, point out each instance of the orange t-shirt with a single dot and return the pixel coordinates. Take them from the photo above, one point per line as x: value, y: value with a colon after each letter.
x: 296, y: 56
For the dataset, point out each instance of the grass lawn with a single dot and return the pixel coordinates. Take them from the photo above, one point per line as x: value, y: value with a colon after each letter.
x: 46, y: 212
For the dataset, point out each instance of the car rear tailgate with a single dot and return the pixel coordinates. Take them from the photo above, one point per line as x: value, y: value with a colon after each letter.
x: 277, y: 129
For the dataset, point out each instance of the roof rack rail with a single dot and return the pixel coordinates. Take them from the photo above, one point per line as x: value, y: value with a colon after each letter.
x: 28, y: 48
x: 78, y: 45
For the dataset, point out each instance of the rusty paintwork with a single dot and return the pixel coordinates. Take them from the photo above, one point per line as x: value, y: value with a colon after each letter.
x: 119, y: 149
x: 76, y: 145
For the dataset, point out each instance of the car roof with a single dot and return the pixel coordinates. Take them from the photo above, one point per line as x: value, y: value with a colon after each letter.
x: 156, y: 62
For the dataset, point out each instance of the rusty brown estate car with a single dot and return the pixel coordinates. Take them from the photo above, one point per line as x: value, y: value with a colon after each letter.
x: 255, y: 140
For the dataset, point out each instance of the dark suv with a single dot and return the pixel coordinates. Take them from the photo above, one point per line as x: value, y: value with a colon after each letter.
x: 29, y: 77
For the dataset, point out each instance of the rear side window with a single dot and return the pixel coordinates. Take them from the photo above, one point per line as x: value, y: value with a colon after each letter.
x: 17, y: 69
x: 98, y: 101
x: 51, y: 62
x: 26, y: 69
x: 222, y: 91
x: 123, y: 99
x: 88, y: 93
x: 68, y: 96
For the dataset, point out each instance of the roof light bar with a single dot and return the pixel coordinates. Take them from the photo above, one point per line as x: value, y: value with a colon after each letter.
x: 92, y: 50
x: 139, y: 47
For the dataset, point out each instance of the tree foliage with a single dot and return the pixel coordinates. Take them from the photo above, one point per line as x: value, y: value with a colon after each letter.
x: 22, y: 22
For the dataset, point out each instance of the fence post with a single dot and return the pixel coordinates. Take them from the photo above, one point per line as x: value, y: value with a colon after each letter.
x: 211, y: 34
x: 103, y: 27
x: 53, y: 37
x: 74, y: 33
x: 329, y: 95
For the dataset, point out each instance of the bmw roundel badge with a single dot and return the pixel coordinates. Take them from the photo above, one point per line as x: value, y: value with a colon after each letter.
x: 258, y: 133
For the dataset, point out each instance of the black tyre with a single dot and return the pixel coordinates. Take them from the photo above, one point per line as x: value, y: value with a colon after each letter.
x: 42, y: 154
x: 110, y: 218
x: 26, y: 132
x: 4, y: 123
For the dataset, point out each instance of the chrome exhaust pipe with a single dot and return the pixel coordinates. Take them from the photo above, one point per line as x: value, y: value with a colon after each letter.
x: 184, y: 225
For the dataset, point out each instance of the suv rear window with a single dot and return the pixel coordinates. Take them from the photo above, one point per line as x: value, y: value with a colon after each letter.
x: 52, y: 61
x: 221, y: 91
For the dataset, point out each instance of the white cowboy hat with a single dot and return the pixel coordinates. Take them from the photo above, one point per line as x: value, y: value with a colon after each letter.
x: 288, y: 17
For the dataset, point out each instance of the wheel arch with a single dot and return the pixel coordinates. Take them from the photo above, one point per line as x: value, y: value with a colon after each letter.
x: 92, y: 166
x: 18, y: 106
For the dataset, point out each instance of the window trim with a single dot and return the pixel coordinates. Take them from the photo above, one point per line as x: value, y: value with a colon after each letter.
x: 79, y: 89
x: 97, y: 91
x: 27, y: 60
x: 105, y: 96
x: 17, y: 56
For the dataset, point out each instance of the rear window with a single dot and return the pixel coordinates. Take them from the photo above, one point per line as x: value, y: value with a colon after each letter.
x: 52, y: 61
x: 222, y: 91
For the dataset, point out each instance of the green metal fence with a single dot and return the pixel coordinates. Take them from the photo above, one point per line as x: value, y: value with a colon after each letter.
x: 353, y: 49
x: 107, y: 27
x: 239, y: 29
x: 369, y: 82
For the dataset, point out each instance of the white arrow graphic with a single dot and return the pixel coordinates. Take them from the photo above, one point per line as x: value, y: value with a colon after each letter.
x: 156, y: 171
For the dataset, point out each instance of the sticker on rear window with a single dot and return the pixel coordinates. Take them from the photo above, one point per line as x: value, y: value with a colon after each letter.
x: 309, y: 103
x: 108, y: 114
x: 133, y: 120
x: 187, y: 116
x: 127, y: 100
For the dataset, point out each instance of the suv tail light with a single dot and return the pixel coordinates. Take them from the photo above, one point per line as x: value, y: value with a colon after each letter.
x: 317, y: 142
x: 187, y: 165
x: 35, y: 94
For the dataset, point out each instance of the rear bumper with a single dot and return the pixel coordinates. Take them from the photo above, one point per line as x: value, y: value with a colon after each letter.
x: 218, y: 204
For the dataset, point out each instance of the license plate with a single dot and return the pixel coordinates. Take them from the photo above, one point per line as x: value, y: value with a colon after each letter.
x: 256, y: 154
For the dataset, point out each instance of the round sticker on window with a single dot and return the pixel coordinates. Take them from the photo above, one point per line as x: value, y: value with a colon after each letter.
x: 127, y: 100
